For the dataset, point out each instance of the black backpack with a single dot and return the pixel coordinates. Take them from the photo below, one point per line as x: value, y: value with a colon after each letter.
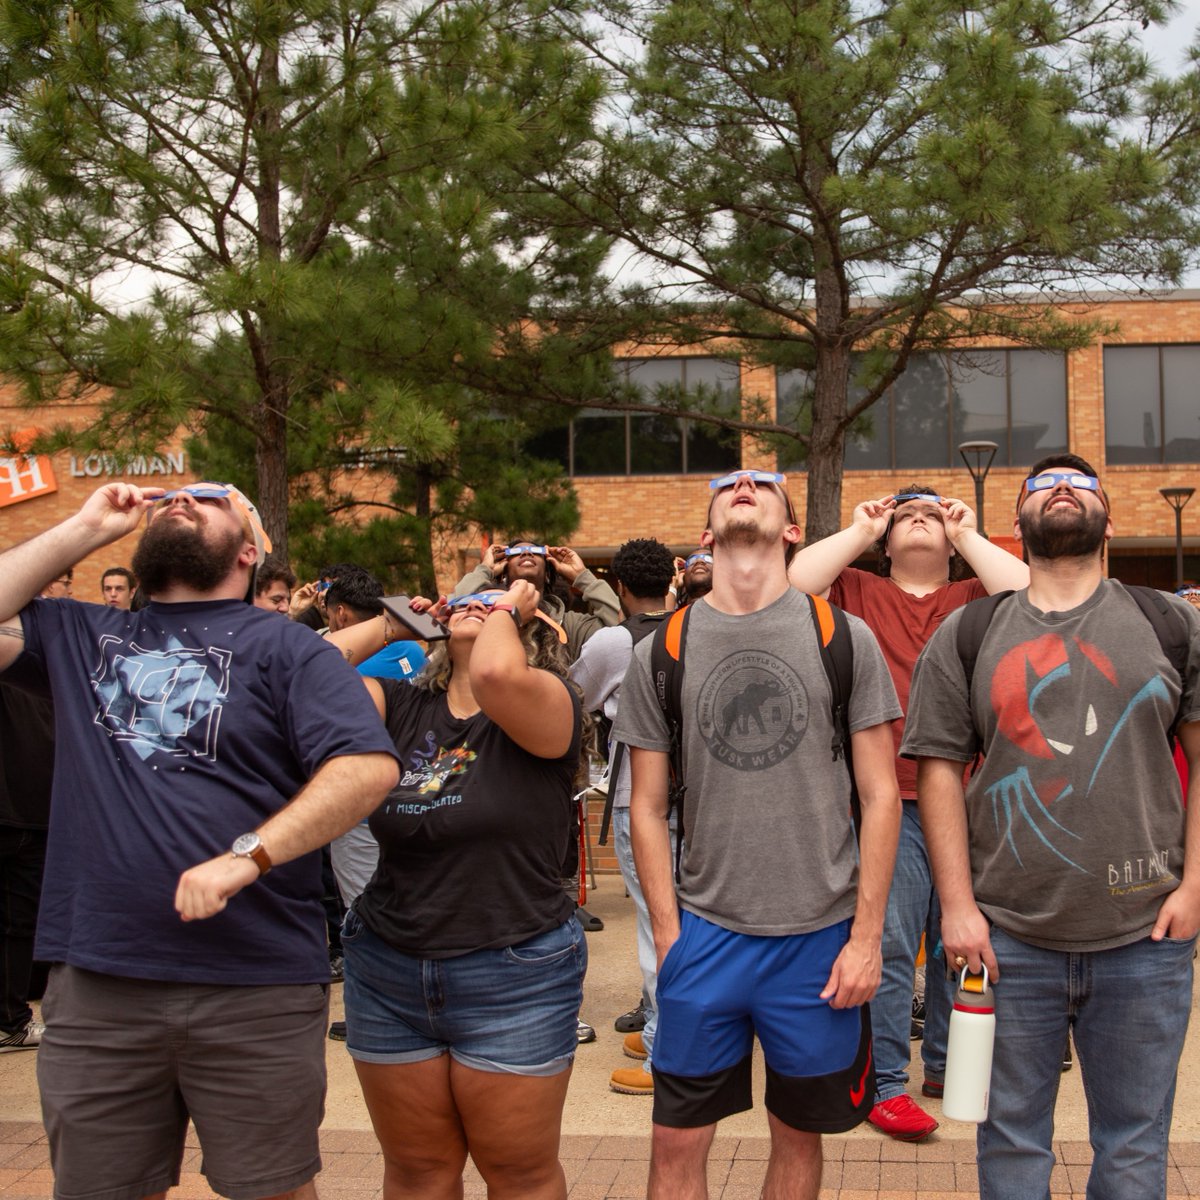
x: 1169, y: 625
x: 640, y: 625
x: 837, y: 657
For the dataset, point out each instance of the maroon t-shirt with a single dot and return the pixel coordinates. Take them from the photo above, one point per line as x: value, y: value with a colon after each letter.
x: 902, y: 624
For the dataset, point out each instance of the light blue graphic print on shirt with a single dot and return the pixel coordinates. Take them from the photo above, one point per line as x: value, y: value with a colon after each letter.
x: 162, y: 701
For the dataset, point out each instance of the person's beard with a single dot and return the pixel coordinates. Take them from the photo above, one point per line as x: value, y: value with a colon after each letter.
x: 1062, y: 532
x: 174, y: 552
x: 740, y: 531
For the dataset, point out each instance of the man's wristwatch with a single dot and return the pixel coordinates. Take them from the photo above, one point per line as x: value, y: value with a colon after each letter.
x: 250, y: 845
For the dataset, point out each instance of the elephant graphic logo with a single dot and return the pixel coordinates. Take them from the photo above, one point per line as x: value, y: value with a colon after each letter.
x: 753, y: 710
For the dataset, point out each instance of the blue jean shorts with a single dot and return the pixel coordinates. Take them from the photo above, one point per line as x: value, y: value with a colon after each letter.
x: 510, y: 1011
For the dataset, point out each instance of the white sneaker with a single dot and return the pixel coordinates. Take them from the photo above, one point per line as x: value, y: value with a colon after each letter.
x: 28, y: 1038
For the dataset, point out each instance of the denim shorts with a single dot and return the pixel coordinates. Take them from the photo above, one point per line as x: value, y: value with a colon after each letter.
x: 511, y: 1010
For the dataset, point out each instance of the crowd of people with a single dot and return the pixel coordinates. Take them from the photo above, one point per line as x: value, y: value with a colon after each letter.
x: 815, y: 772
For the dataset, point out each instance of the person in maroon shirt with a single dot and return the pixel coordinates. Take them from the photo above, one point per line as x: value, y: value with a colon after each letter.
x: 920, y: 538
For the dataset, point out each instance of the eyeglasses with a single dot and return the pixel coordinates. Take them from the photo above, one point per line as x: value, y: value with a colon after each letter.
x: 757, y: 476
x: 1039, y: 483
x: 206, y: 491
x: 522, y: 548
x: 917, y: 496
x: 487, y: 599
x: 695, y: 558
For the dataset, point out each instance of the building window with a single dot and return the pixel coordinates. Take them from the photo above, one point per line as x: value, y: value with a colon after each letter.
x: 1152, y: 404
x: 600, y: 442
x: 1015, y: 398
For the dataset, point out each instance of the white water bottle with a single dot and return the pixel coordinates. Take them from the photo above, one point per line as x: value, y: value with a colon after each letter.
x: 969, y: 1049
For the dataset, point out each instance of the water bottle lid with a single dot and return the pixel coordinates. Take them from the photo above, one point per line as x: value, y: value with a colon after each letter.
x: 974, y: 992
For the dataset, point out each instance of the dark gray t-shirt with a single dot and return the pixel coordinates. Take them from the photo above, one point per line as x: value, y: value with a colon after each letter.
x: 1075, y: 816
x: 770, y: 844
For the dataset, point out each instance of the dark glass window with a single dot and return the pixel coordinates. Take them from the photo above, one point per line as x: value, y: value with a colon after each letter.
x: 1181, y: 403
x: 1015, y: 398
x: 598, y: 442
x: 1152, y: 404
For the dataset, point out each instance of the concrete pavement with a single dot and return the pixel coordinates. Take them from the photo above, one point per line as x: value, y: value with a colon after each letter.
x: 606, y: 1135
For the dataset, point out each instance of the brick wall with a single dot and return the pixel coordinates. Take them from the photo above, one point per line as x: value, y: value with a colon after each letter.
x: 673, y: 507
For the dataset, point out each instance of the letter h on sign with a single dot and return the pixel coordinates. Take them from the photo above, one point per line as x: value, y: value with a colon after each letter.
x: 24, y: 476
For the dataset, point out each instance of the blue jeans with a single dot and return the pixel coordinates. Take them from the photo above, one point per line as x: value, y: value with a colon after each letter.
x: 647, y: 955
x: 912, y: 909
x: 1128, y: 1009
x: 510, y: 1010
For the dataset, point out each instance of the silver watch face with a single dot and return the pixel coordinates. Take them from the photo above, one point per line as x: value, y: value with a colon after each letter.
x: 246, y: 845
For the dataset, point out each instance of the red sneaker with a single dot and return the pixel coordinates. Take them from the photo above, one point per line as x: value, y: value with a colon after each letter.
x: 903, y: 1119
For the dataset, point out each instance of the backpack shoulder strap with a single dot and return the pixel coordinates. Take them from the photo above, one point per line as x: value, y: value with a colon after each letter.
x: 640, y: 625
x: 1171, y: 629
x: 666, y: 670
x: 837, y: 657
x: 972, y: 626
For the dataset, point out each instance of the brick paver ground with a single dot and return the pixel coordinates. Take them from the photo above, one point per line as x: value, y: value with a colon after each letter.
x: 614, y: 1168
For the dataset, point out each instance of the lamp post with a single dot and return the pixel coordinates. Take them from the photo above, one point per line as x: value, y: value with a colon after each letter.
x: 982, y: 453
x: 1177, y: 498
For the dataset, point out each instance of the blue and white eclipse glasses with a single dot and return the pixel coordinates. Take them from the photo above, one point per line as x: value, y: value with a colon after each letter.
x: 1039, y: 483
x: 699, y: 556
x: 487, y: 599
x: 926, y: 496
x: 757, y: 476
x: 201, y: 491
x: 522, y: 548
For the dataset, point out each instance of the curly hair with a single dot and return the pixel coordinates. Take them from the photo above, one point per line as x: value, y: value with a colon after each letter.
x: 883, y: 562
x: 645, y: 566
x: 542, y: 650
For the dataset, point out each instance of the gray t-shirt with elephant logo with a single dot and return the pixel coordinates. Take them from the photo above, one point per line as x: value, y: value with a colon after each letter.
x: 769, y: 841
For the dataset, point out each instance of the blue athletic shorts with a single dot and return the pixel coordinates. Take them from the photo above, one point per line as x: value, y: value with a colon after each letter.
x: 510, y: 1011
x: 717, y: 989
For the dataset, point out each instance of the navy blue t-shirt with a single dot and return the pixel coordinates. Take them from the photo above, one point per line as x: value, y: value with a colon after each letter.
x: 178, y: 728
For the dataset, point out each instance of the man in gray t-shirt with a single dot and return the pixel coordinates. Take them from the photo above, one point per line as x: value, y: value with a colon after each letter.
x: 1066, y: 868
x: 781, y: 917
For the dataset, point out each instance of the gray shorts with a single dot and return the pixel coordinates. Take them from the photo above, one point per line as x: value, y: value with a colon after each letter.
x: 125, y: 1062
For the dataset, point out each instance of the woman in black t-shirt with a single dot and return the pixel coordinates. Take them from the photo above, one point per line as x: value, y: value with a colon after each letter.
x: 464, y: 963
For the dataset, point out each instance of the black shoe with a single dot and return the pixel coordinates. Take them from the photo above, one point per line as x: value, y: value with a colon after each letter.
x: 337, y: 969
x: 1068, y: 1061
x: 590, y: 922
x: 583, y: 1031
x: 337, y: 1031
x: 633, y: 1021
x: 916, y: 1030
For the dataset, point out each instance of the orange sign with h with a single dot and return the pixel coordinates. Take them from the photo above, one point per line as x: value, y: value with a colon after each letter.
x: 24, y: 476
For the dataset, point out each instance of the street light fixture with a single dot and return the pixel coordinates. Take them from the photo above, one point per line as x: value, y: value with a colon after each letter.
x: 982, y: 453
x: 1177, y: 498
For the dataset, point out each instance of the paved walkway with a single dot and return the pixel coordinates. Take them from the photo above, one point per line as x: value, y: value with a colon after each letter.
x: 606, y: 1145
x: 614, y: 1168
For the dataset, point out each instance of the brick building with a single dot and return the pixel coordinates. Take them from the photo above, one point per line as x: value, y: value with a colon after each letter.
x: 1130, y: 403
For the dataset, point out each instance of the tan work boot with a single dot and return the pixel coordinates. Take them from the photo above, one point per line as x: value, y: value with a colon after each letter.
x: 634, y: 1047
x: 632, y: 1081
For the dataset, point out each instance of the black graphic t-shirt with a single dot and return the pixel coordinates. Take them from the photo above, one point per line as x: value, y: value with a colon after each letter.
x: 473, y: 837
x: 180, y: 727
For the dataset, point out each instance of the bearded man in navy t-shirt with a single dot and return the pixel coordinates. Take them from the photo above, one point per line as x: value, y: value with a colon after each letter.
x: 188, y: 982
